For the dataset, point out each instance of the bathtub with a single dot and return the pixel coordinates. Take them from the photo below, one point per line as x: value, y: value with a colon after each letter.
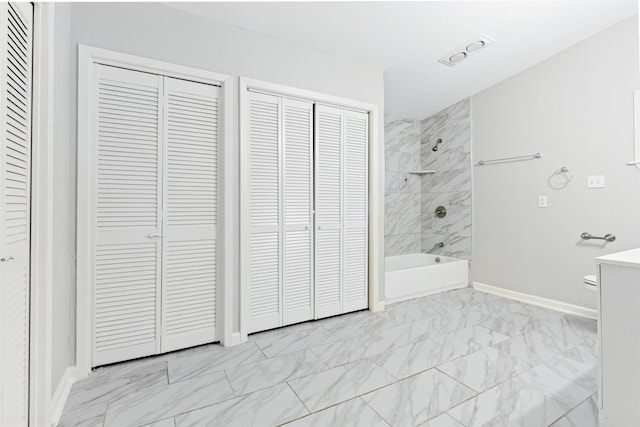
x: 415, y: 275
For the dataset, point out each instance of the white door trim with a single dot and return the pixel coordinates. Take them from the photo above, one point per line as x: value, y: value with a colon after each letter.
x: 40, y: 392
x: 376, y: 188
x: 87, y: 56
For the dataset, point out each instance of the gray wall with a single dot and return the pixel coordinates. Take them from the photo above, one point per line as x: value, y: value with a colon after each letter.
x: 577, y: 110
x: 402, y: 190
x: 159, y: 32
x: 450, y: 185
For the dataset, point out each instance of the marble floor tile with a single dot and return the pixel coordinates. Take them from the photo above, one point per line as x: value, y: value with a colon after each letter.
x: 512, y: 324
x: 192, y: 366
x: 501, y: 307
x: 585, y: 328
x: 414, y: 358
x: 406, y: 313
x: 413, y: 361
x: 540, y: 313
x: 460, y: 319
x: 471, y: 339
x: 583, y: 374
x: 509, y: 404
x: 271, y: 335
x: 562, y: 331
x: 418, y: 398
x: 269, y: 372
x: 366, y: 325
x: 539, y: 344
x: 443, y: 420
x: 159, y: 402
x: 319, y: 391
x: 415, y: 331
x: 484, y: 369
x: 87, y: 415
x: 352, y: 413
x: 88, y: 398
x: 352, y: 349
x: 584, y: 415
x: 296, y: 341
x: 583, y: 353
x: 167, y: 422
x: 265, y: 408
x: 554, y: 382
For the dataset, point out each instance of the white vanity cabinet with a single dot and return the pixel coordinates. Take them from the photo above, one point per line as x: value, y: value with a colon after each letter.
x: 619, y: 338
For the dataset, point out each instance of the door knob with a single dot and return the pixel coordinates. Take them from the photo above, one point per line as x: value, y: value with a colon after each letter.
x: 152, y: 235
x: 7, y: 259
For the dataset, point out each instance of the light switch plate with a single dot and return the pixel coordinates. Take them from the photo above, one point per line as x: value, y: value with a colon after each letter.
x: 542, y: 201
x: 595, y: 181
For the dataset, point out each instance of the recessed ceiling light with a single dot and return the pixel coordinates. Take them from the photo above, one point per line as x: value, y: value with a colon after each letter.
x: 457, y: 57
x: 471, y: 47
x: 475, y: 46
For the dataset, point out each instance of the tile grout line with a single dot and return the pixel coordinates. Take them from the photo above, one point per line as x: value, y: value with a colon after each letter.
x: 300, y: 399
x: 376, y: 412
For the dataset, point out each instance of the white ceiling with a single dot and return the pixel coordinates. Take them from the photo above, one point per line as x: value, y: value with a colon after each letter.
x: 408, y: 38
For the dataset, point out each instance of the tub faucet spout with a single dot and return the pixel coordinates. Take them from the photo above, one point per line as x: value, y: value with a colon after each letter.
x: 438, y: 245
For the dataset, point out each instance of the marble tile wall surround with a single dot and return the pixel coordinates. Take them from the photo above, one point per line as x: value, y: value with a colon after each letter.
x: 450, y: 186
x: 402, y: 227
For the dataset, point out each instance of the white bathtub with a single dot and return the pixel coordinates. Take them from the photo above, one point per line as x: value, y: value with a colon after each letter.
x: 415, y: 275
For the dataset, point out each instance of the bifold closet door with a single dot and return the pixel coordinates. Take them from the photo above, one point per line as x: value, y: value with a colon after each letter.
x: 329, y: 187
x: 16, y: 24
x: 341, y: 279
x: 127, y: 214
x: 155, y: 214
x: 190, y: 214
x: 355, y: 273
x: 280, y: 211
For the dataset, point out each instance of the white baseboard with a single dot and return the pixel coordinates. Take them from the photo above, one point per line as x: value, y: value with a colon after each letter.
x: 379, y: 306
x: 59, y: 398
x: 539, y: 301
x: 236, y: 338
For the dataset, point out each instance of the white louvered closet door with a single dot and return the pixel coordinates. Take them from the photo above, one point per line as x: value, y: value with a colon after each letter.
x: 16, y: 24
x: 329, y: 187
x: 356, y: 141
x: 297, y: 190
x: 264, y: 209
x: 190, y: 214
x: 126, y: 214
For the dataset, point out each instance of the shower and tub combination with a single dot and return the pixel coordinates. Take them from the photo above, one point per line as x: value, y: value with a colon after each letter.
x: 428, y: 234
x: 416, y: 275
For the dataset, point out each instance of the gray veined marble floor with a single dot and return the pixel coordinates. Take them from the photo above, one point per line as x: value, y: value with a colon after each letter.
x: 460, y: 358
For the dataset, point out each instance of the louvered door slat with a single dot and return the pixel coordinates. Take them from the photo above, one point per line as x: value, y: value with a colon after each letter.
x: 189, y: 281
x: 297, y: 144
x: 15, y: 171
x: 356, y: 138
x: 328, y: 195
x: 264, y: 210
x: 128, y: 199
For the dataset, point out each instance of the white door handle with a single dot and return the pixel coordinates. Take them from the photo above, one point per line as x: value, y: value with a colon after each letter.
x: 319, y: 228
x: 152, y: 235
x: 306, y: 227
x: 7, y: 259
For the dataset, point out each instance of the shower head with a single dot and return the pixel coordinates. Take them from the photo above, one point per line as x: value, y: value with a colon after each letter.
x: 435, y: 147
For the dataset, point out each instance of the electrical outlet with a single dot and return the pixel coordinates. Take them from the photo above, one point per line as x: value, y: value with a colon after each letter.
x: 542, y: 201
x: 595, y: 181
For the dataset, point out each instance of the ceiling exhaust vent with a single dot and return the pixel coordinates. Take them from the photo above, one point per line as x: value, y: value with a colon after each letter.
x: 471, y: 47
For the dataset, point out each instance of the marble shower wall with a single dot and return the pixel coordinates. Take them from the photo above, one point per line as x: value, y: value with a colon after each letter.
x: 450, y: 186
x: 402, y: 225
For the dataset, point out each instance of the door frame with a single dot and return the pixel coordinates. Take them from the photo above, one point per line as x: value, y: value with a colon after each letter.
x: 375, y: 195
x: 87, y: 57
x: 42, y: 191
